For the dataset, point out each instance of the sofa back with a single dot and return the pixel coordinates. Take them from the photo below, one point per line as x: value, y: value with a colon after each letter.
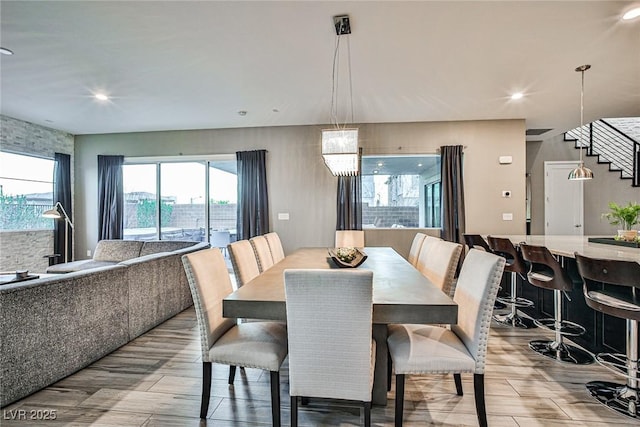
x: 156, y: 246
x: 117, y: 250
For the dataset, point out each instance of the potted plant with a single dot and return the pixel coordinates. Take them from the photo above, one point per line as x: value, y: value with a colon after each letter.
x: 626, y: 216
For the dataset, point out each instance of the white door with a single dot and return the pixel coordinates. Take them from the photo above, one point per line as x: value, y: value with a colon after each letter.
x: 563, y: 203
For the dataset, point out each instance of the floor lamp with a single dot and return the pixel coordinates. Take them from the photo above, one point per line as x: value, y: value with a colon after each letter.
x: 55, y: 214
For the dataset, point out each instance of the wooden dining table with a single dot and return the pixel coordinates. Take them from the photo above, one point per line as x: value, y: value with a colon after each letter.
x: 401, y: 294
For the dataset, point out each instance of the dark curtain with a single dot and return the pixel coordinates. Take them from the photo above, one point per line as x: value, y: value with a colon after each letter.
x: 62, y: 194
x: 349, y: 200
x: 110, y: 197
x: 453, y: 225
x: 253, y: 202
x: 349, y: 206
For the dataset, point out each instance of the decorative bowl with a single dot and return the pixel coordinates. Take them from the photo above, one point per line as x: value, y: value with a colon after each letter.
x: 347, y: 257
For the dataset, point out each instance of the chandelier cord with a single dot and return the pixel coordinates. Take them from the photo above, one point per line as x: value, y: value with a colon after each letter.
x: 581, y: 116
x: 335, y: 84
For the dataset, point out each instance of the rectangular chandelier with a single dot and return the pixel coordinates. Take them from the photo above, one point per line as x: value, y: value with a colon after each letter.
x: 340, y: 151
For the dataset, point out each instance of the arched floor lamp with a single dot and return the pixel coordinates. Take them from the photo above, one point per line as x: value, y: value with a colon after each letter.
x: 54, y: 213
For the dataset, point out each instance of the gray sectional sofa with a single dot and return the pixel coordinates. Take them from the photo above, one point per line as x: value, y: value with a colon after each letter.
x: 55, y: 325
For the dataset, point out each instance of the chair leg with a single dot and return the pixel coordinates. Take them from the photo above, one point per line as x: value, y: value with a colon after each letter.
x: 389, y: 371
x: 367, y: 414
x: 458, y: 380
x: 399, y: 399
x: 478, y: 389
x: 232, y: 374
x: 206, y: 389
x: 294, y: 411
x: 275, y: 398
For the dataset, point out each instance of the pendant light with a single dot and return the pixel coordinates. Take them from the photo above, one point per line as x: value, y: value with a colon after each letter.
x: 582, y: 172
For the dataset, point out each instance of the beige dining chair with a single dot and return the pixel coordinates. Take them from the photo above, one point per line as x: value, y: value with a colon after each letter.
x: 329, y: 324
x: 439, y: 262
x: 428, y: 349
x: 244, y: 262
x: 275, y: 246
x: 414, y: 251
x: 423, y: 255
x: 262, y: 252
x: 260, y: 345
x: 349, y: 239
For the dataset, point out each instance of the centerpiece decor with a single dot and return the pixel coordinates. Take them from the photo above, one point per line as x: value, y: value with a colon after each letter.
x: 347, y: 257
x: 627, y: 217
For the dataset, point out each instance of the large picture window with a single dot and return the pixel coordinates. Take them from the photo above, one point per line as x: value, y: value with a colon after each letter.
x: 175, y: 200
x: 26, y: 191
x: 398, y: 191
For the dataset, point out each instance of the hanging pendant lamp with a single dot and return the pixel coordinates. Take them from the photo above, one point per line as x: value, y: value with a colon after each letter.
x: 582, y: 172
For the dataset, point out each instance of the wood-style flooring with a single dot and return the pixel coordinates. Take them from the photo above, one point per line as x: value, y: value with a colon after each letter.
x: 155, y: 380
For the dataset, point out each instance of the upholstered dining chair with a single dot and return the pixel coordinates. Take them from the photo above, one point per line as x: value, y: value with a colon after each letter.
x: 243, y: 259
x: 349, y: 239
x: 329, y: 324
x: 275, y: 245
x: 261, y: 345
x: 439, y: 263
x: 262, y: 251
x: 423, y: 255
x: 414, y: 251
x: 428, y: 349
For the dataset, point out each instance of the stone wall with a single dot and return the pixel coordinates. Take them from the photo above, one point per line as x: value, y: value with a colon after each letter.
x: 25, y: 249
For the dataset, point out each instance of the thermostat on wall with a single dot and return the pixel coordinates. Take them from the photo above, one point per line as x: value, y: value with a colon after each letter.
x: 505, y: 160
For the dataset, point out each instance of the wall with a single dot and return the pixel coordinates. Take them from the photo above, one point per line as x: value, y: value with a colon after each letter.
x: 301, y: 185
x: 24, y: 250
x: 605, y: 187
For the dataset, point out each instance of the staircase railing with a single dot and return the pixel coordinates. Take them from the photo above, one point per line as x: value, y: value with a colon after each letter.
x: 611, y: 146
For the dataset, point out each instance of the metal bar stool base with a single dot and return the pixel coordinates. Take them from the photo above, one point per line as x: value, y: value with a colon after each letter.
x: 561, y: 352
x: 514, y: 320
x: 618, y: 397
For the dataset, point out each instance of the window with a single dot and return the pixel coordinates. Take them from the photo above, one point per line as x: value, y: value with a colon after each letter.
x: 401, y: 191
x: 182, y: 196
x: 26, y: 191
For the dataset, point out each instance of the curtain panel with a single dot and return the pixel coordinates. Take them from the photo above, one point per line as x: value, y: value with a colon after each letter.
x: 349, y: 203
x: 62, y: 194
x: 253, y: 200
x: 453, y: 212
x: 110, y: 197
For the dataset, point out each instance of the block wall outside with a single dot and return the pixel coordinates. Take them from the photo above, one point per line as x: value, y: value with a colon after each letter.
x: 388, y: 216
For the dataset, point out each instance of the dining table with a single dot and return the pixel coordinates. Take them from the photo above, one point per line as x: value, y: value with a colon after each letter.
x: 401, y: 294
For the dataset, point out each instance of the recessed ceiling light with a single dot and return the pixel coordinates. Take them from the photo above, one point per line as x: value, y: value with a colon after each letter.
x: 379, y: 164
x: 101, y: 97
x: 242, y: 113
x: 633, y: 13
x: 517, y: 95
x: 419, y: 165
x: 5, y: 51
x: 375, y: 171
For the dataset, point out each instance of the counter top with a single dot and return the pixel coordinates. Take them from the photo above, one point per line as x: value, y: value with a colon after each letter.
x: 567, y: 245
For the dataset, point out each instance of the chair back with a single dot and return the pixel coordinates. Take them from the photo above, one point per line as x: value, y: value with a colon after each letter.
x: 243, y: 259
x: 329, y: 325
x: 275, y: 245
x: 504, y: 248
x: 220, y: 239
x: 440, y: 264
x: 475, y: 295
x: 476, y: 241
x: 414, y: 251
x: 209, y: 283
x: 427, y: 245
x: 621, y: 273
x: 545, y: 271
x: 349, y: 239
x: 263, y: 253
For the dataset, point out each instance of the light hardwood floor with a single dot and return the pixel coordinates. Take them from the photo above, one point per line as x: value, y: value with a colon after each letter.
x: 155, y: 381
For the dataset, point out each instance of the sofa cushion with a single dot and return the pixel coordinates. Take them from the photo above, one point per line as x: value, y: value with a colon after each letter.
x: 155, y: 246
x: 85, y: 264
x: 117, y: 250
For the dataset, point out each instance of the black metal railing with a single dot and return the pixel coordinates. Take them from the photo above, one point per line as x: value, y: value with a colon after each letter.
x: 612, y: 146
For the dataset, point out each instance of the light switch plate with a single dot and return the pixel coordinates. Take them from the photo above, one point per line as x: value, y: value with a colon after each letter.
x: 283, y: 216
x: 507, y: 216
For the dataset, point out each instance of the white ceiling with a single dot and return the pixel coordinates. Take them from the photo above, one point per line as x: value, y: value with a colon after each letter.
x: 194, y: 65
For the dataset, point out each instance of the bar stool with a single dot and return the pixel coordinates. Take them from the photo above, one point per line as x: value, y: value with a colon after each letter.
x: 546, y: 272
x: 515, y: 265
x: 477, y: 241
x: 615, y: 299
